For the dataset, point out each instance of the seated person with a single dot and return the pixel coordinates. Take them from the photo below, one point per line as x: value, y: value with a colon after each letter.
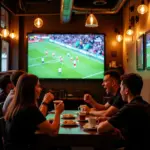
x: 13, y: 78
x: 134, y: 117
x: 6, y: 86
x: 111, y: 83
x: 23, y: 117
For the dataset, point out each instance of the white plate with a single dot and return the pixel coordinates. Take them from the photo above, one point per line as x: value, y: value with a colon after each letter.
x: 88, y: 127
x: 68, y: 117
x: 76, y: 124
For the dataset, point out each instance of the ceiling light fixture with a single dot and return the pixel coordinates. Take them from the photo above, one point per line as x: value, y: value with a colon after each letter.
x: 91, y: 21
x: 129, y: 31
x: 12, y: 35
x: 131, y: 22
x: 38, y: 22
x: 119, y: 37
x: 5, y: 32
x: 142, y: 9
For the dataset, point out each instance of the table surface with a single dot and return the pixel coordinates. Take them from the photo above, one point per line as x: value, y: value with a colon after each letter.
x: 78, y: 130
x: 77, y: 136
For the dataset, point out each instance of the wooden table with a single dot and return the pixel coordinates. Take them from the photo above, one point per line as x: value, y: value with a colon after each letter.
x: 76, y: 136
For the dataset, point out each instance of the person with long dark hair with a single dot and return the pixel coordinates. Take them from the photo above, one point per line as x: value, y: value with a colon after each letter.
x: 23, y: 117
x: 13, y: 78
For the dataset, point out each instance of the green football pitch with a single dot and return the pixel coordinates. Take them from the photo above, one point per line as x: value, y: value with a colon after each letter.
x: 86, y: 66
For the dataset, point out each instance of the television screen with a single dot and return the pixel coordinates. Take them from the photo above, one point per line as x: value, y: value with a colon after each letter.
x: 66, y: 56
x: 148, y: 50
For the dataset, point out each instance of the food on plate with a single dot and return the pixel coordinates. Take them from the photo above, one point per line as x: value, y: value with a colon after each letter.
x: 68, y: 116
x: 69, y: 122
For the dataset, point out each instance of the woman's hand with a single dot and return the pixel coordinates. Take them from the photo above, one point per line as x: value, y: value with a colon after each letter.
x: 48, y: 97
x: 59, y: 108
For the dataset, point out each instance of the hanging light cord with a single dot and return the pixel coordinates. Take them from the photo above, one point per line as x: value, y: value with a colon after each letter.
x: 129, y: 13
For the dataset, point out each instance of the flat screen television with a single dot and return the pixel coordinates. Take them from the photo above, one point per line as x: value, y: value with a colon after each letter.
x: 66, y: 56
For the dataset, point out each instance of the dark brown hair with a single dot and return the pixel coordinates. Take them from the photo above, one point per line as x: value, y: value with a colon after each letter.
x: 24, y: 94
x: 133, y: 82
x: 4, y: 81
x: 114, y: 74
x: 15, y: 76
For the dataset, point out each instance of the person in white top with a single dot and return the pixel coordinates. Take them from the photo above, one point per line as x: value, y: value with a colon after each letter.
x: 42, y: 59
x: 53, y: 54
x: 60, y: 70
x: 46, y: 53
x: 74, y: 63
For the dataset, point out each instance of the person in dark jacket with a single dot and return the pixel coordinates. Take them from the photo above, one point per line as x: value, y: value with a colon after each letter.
x: 134, y: 117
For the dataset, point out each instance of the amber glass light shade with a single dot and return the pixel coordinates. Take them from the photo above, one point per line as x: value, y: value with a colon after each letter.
x: 38, y: 22
x: 91, y: 21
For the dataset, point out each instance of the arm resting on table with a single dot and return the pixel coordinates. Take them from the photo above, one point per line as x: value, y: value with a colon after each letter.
x: 50, y: 129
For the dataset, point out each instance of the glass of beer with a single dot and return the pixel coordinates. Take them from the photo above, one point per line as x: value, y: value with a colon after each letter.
x: 56, y: 102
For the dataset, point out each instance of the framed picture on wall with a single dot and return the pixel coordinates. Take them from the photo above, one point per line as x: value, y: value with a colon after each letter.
x: 147, y: 55
x: 140, y: 53
x: 4, y: 55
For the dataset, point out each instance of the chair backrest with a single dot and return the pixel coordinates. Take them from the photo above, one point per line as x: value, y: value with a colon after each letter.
x: 2, y: 127
x: 1, y: 107
x: 2, y: 132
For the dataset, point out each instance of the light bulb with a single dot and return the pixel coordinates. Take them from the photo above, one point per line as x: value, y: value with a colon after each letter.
x: 130, y: 31
x: 91, y: 20
x: 142, y: 9
x: 119, y: 37
x: 12, y: 35
x: 38, y: 22
x: 5, y: 32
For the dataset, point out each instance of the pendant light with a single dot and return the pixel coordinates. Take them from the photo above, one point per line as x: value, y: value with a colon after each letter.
x: 91, y: 21
x: 119, y: 37
x: 12, y: 35
x: 129, y: 31
x: 142, y: 9
x: 5, y: 32
x: 38, y: 22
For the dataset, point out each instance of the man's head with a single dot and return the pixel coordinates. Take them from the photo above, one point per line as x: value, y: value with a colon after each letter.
x: 15, y: 76
x: 111, y: 81
x: 131, y: 84
x: 5, y: 83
